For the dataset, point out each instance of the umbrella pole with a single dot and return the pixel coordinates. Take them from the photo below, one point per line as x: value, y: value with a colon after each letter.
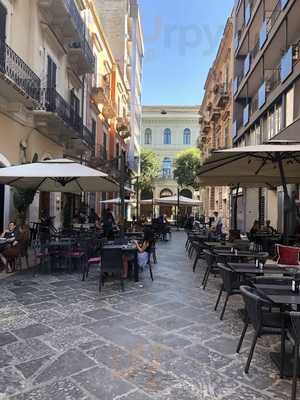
x: 137, y: 199
x: 178, y: 205
x: 235, y: 208
x: 286, y: 197
x: 122, y: 195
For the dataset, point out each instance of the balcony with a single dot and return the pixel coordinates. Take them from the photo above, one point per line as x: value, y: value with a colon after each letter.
x: 56, y: 119
x: 206, y: 126
x: 215, y: 114
x: 109, y: 110
x: 272, y: 80
x: 81, y: 57
x: 65, y: 20
x: 18, y: 83
x: 101, y: 90
x: 123, y: 125
x: 222, y: 95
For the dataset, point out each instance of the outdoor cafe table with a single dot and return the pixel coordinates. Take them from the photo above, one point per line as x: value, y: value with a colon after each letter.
x: 250, y: 268
x: 239, y: 255
x: 127, y: 249
x: 221, y: 245
x: 282, y: 296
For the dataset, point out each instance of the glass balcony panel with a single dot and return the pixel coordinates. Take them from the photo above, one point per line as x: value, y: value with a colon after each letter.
x: 286, y: 65
x: 263, y: 34
x: 247, y: 14
x: 234, y: 129
x: 247, y: 65
x: 261, y: 95
x: 246, y: 115
x: 235, y: 85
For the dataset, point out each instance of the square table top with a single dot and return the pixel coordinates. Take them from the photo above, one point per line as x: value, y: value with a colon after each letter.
x: 124, y: 247
x: 220, y: 244
x: 279, y: 294
x: 250, y: 268
x: 241, y: 253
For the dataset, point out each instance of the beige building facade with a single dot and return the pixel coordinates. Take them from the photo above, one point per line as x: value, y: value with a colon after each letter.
x: 215, y: 121
x: 167, y: 130
x: 62, y: 93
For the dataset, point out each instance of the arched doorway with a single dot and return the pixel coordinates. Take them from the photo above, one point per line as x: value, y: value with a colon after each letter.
x: 165, y: 210
x: 146, y: 209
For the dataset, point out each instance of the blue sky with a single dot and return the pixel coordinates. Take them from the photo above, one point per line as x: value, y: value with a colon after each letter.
x: 181, y: 40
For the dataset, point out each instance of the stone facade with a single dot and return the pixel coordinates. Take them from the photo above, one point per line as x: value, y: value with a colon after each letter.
x: 163, y: 131
x: 215, y: 120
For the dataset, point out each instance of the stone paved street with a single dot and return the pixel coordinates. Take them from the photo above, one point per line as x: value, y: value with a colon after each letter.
x: 60, y: 340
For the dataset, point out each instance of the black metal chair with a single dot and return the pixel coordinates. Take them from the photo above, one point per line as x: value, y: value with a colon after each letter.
x: 293, y: 334
x: 259, y: 314
x: 111, y: 262
x: 230, y: 285
x: 211, y: 266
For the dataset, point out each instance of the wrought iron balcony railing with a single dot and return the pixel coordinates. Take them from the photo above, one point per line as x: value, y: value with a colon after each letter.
x: 86, y: 50
x: 76, y: 17
x: 53, y: 102
x: 13, y: 67
x: 88, y: 136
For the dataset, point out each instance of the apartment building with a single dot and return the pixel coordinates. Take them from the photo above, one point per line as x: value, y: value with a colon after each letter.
x: 167, y: 130
x: 62, y: 93
x: 122, y: 24
x: 109, y: 104
x: 266, y: 90
x: 45, y: 55
x: 215, y: 120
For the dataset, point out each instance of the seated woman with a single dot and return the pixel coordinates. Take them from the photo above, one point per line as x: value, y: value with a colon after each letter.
x: 144, y: 248
x: 12, y: 249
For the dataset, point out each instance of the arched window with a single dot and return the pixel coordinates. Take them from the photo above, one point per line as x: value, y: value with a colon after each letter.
x: 165, y: 193
x: 148, y: 136
x: 186, y: 193
x: 187, y: 136
x: 167, y: 136
x: 167, y: 167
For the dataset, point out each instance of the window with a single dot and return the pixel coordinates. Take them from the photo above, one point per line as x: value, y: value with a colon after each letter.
x: 187, y: 136
x: 167, y: 136
x: 148, y: 136
x: 165, y: 193
x: 167, y: 167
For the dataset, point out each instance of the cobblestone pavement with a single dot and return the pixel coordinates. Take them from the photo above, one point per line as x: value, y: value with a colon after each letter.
x: 60, y: 340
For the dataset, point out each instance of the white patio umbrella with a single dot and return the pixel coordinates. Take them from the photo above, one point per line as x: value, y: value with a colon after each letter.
x: 255, y: 166
x: 117, y: 201
x: 183, y: 201
x: 270, y: 162
x: 61, y: 175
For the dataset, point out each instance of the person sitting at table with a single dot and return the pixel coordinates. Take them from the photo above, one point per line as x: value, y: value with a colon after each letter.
x: 12, y: 249
x: 144, y: 248
x: 93, y: 217
x: 108, y: 223
x: 254, y: 230
x: 268, y: 228
x: 217, y: 224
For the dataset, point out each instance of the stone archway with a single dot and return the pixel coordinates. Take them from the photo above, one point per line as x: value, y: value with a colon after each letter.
x: 166, y: 210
